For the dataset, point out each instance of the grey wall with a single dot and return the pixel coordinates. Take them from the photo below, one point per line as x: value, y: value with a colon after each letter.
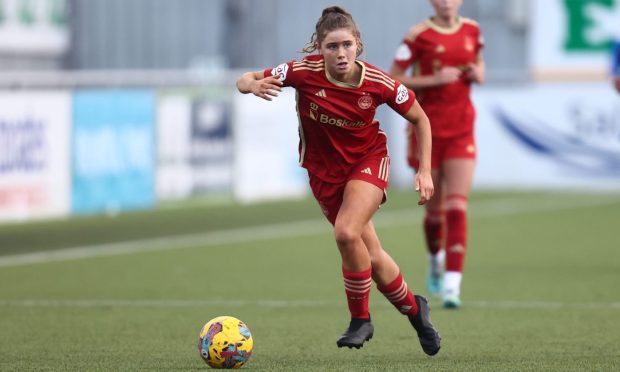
x: 162, y: 34
x: 177, y: 34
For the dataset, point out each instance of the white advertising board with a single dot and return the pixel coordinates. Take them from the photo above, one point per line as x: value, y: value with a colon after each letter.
x: 174, y: 173
x: 266, y: 159
x: 34, y: 154
x: 34, y: 27
x: 194, y: 142
x: 553, y: 135
x: 570, y: 40
x: 544, y: 136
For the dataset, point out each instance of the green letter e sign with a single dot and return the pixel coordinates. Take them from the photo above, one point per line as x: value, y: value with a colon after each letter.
x: 579, y: 20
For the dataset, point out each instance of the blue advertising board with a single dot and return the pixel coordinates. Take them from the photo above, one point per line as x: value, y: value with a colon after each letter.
x: 113, y: 151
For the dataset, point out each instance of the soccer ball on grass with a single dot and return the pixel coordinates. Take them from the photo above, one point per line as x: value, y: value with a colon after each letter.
x: 225, y: 342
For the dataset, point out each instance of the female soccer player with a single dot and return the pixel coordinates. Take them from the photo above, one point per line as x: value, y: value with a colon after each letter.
x: 345, y: 154
x: 445, y: 53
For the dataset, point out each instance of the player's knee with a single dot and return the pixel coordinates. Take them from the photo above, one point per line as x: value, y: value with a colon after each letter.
x: 345, y: 235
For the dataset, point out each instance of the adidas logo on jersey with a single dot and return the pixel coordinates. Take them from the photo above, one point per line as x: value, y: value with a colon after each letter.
x: 321, y: 93
x: 367, y: 171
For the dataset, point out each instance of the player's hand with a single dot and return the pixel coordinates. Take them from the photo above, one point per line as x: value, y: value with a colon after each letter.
x: 266, y: 88
x: 447, y: 75
x: 474, y: 73
x: 424, y: 185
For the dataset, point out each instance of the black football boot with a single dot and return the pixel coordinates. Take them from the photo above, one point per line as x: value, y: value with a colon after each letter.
x: 359, y: 331
x: 429, y: 337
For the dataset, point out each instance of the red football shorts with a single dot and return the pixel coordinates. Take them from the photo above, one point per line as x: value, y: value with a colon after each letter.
x: 330, y: 195
x: 462, y: 147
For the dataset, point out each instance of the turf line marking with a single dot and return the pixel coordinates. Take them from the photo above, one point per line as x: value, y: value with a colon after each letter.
x: 274, y: 303
x: 550, y: 305
x: 483, y: 209
x: 241, y: 235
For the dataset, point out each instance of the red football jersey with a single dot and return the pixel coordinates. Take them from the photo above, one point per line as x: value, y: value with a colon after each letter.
x: 428, y: 47
x: 337, y: 128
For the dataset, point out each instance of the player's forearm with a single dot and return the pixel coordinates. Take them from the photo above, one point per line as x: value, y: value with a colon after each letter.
x: 418, y: 82
x: 412, y: 82
x: 480, y: 72
x: 422, y: 126
x: 244, y: 83
x: 424, y: 139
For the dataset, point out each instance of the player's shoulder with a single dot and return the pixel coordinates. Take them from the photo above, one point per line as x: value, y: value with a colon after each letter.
x: 313, y: 62
x: 470, y: 23
x: 416, y: 30
x: 372, y: 68
x: 375, y: 75
x: 313, y: 58
x: 296, y: 71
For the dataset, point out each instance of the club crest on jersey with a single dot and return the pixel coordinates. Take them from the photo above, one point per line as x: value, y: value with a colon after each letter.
x: 402, y: 95
x: 314, y: 111
x: 364, y: 102
x: 280, y: 71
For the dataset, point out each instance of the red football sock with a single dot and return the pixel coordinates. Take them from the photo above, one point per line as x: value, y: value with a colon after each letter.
x: 433, y: 231
x: 400, y: 296
x: 357, y: 287
x: 456, y: 239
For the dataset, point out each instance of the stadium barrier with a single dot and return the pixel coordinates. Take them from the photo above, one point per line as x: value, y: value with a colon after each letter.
x: 107, y: 142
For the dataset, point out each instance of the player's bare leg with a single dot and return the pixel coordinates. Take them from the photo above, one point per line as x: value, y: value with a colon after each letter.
x: 384, y: 268
x: 360, y: 201
x: 434, y: 233
x: 458, y: 176
x: 387, y: 275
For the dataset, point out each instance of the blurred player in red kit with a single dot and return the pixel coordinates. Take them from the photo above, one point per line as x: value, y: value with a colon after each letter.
x: 615, y: 64
x: 445, y: 53
x: 345, y: 153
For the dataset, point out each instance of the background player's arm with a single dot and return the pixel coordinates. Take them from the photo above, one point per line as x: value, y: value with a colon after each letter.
x: 423, y: 180
x: 445, y: 75
x: 476, y: 70
x: 259, y: 85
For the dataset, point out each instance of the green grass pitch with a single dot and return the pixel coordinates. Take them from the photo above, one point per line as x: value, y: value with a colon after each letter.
x: 130, y: 293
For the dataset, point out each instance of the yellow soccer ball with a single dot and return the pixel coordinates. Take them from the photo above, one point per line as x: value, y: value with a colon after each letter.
x: 225, y: 342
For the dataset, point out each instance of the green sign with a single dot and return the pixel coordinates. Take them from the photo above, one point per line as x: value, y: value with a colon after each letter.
x: 27, y: 12
x: 591, y: 24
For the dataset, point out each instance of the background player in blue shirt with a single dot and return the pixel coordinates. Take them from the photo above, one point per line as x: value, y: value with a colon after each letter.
x: 615, y: 64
